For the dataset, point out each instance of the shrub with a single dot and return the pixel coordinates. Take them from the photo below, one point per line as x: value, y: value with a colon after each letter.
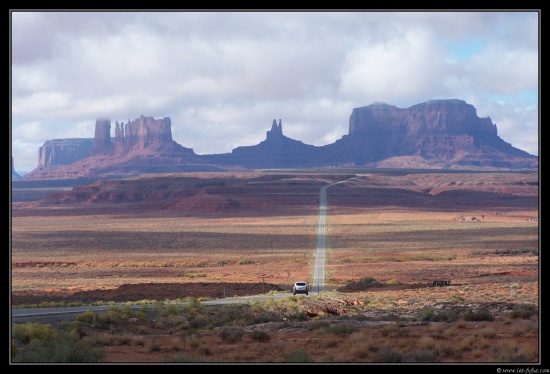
x: 63, y: 349
x: 87, y: 317
x: 72, y: 327
x: 198, y: 322
x: 154, y: 346
x: 456, y: 298
x: 231, y: 334
x: 184, y: 358
x: 205, y: 351
x: 514, y: 357
x: 96, y: 319
x: 99, y: 339
x: 524, y: 311
x: 260, y: 335
x: 25, y: 332
x: 506, y: 351
x: 360, y: 351
x: 263, y: 318
x: 387, y: 355
x: 421, y: 356
x: 298, y: 356
x: 447, y: 351
x: 193, y: 340
x: 341, y: 329
x: 447, y: 316
x: 488, y: 333
x: 479, y: 315
x: 329, y: 342
x: 429, y: 314
x: 368, y: 280
x: 318, y: 324
x: 393, y: 281
x: 194, y: 303
x: 173, y: 321
x: 115, y: 314
x: 171, y: 310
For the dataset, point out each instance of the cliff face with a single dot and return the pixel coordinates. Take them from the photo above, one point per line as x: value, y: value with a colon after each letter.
x: 136, y: 135
x: 141, y: 146
x: 141, y: 133
x: 432, y: 118
x: 435, y: 129
x: 435, y: 134
x: 102, y: 137
x: 58, y: 152
x: 441, y: 132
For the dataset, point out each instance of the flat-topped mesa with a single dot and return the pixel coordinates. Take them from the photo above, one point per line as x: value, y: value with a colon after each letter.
x: 58, y: 152
x: 434, y: 117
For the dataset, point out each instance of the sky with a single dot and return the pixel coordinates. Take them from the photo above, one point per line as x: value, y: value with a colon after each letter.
x: 222, y: 77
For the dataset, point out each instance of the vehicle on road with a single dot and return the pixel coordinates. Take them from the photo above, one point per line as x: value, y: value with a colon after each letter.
x: 300, y: 287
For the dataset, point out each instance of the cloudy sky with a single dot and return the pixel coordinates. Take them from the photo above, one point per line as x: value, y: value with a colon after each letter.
x: 222, y: 77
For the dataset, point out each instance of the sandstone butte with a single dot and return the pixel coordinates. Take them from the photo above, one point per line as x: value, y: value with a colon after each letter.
x: 436, y: 134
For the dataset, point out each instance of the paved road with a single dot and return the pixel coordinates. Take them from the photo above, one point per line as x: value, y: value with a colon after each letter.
x: 318, y: 284
x: 20, y: 315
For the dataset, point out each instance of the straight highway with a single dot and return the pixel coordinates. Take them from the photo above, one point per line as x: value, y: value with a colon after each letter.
x: 318, y: 284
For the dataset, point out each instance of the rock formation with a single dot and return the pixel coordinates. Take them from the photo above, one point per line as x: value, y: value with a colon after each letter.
x: 442, y: 132
x: 141, y: 146
x: 102, y: 137
x: 141, y: 133
x: 276, y: 151
x: 135, y: 135
x: 276, y: 130
x: 58, y: 152
x: 437, y: 134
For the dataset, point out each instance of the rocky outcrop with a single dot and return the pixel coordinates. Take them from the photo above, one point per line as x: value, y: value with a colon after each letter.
x: 275, y: 132
x: 102, y: 137
x: 142, y: 133
x: 141, y: 146
x: 276, y: 151
x: 438, y: 134
x: 58, y: 152
x: 435, y: 134
x: 444, y: 133
x: 435, y: 117
x: 138, y: 134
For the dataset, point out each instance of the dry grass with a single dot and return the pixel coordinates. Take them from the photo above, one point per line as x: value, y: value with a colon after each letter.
x: 100, y: 252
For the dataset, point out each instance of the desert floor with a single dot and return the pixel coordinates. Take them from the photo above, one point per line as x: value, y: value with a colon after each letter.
x: 252, y: 235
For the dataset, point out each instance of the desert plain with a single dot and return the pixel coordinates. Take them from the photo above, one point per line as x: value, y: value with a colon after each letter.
x: 216, y: 235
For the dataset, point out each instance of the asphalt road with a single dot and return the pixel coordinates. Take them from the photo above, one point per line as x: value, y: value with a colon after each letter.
x: 318, y: 284
x: 21, y: 315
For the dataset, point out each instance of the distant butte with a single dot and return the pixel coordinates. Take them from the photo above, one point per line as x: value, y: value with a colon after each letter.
x: 436, y: 134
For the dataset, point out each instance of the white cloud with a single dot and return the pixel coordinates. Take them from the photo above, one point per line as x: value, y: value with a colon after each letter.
x: 394, y: 70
